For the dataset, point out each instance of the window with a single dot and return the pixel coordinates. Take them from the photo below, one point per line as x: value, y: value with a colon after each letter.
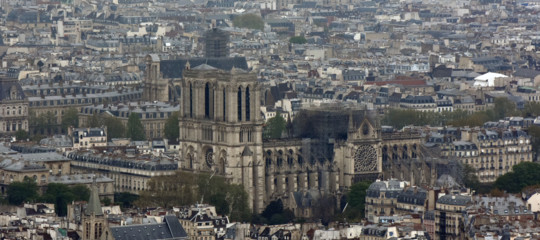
x: 224, y: 104
x: 247, y: 105
x: 190, y: 100
x: 239, y: 103
x: 206, y: 101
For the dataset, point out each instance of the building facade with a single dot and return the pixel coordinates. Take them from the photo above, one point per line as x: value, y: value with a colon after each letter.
x: 14, y: 105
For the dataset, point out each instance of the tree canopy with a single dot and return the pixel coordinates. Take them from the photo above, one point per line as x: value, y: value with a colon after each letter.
x: 21, y: 135
x: 125, y: 199
x: 356, y: 201
x: 20, y: 192
x: 172, y: 129
x: 470, y: 179
x: 115, y: 127
x: 185, y: 188
x: 70, y: 118
x: 298, y: 40
x: 135, y: 129
x: 249, y: 20
x: 522, y: 175
x: 274, y: 213
x: 274, y: 127
x: 61, y: 195
x: 43, y: 123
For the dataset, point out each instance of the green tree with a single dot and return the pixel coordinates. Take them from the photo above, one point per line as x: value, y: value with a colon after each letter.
x: 106, y: 201
x: 470, y: 179
x: 522, y: 175
x: 126, y: 199
x: 25, y: 191
x: 80, y: 192
x: 274, y: 213
x: 356, y: 201
x: 95, y: 121
x: 21, y: 135
x: 70, y: 118
x: 298, y: 40
x: 274, y: 127
x: 185, y: 188
x: 531, y: 109
x: 43, y: 123
x: 60, y: 195
x: 115, y: 128
x: 504, y: 107
x: 135, y: 129
x: 172, y: 129
x: 249, y: 20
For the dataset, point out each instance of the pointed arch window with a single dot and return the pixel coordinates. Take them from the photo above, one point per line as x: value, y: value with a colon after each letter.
x: 207, y: 101
x: 190, y: 100
x: 224, y: 104
x: 239, y: 103
x: 247, y: 104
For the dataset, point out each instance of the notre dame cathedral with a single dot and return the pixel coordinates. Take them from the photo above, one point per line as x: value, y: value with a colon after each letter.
x: 221, y: 127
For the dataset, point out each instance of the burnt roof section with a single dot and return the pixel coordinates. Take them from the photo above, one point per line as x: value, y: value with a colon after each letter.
x: 175, y: 68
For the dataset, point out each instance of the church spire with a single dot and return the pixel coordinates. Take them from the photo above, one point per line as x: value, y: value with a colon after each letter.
x: 94, y: 205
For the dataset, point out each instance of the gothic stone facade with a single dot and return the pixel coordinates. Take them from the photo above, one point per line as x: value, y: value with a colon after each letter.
x: 221, y: 132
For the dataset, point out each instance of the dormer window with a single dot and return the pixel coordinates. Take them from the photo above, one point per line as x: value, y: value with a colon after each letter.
x: 13, y: 93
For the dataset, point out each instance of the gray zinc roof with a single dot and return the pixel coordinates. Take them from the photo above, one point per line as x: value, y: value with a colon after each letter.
x: 170, y: 228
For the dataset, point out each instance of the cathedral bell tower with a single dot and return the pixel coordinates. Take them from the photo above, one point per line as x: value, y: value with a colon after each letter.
x: 156, y: 88
x: 221, y: 128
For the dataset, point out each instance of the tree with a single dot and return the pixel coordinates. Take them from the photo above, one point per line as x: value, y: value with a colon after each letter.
x: 274, y: 127
x: 95, y: 121
x: 274, y: 213
x: 298, y: 40
x: 80, y: 192
x: 324, y: 209
x: 135, y: 129
x: 166, y: 191
x: 171, y: 129
x: 531, y: 109
x: 185, y: 188
x: 106, y: 201
x: 40, y: 64
x: 60, y: 195
x: 522, y: 175
x: 249, y: 20
x: 21, y: 135
x: 43, y: 123
x: 504, y: 107
x: 470, y: 179
x: 126, y: 199
x: 70, y: 118
x: 115, y: 128
x: 356, y: 200
x: 25, y: 191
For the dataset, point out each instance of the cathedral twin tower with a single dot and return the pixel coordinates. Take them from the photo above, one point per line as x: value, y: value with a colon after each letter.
x: 220, y: 124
